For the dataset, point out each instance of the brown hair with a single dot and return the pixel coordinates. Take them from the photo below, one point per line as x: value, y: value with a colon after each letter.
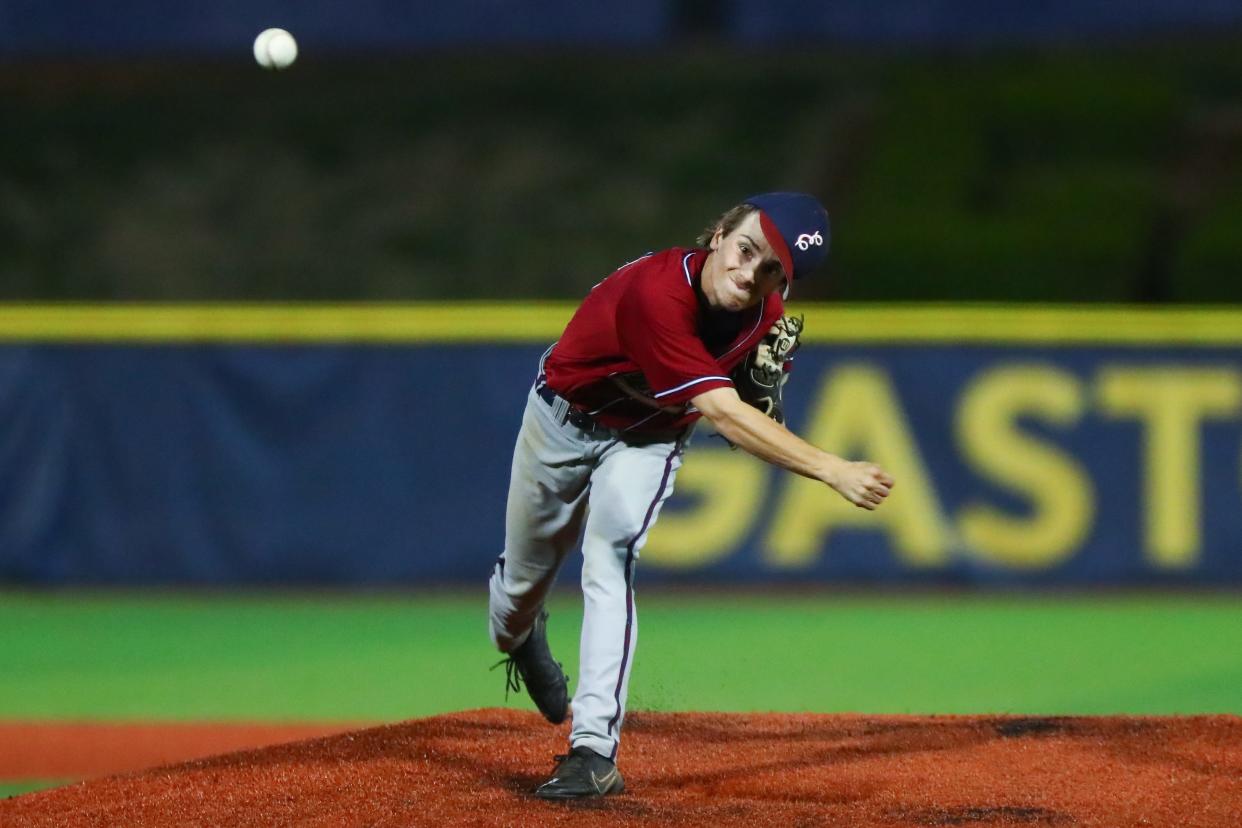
x: 727, y: 223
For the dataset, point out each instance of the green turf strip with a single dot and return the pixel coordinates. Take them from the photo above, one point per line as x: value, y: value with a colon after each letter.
x: 350, y: 658
x: 8, y: 789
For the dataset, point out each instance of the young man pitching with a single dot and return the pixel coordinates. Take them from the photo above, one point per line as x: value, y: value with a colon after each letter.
x: 669, y: 338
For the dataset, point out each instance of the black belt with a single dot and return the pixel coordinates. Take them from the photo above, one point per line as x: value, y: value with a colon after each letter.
x: 578, y: 419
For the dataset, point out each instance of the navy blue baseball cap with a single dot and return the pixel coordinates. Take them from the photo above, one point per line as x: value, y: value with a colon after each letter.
x: 796, y: 225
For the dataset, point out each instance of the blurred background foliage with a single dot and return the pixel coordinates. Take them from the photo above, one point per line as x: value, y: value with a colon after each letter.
x: 1057, y: 174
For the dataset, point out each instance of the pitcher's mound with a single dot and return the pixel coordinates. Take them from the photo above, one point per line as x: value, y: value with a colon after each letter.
x: 476, y: 768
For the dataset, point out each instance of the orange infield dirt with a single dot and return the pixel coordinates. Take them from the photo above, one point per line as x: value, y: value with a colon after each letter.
x: 76, y: 750
x: 476, y: 767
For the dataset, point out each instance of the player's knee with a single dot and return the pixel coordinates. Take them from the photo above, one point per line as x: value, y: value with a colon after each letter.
x: 603, y: 573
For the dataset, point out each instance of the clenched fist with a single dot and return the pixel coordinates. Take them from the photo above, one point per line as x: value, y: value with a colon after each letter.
x: 861, y: 483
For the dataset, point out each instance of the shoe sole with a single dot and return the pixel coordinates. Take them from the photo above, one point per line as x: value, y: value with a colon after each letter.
x: 556, y: 719
x: 562, y: 797
x: 561, y: 687
x: 561, y: 711
x: 616, y: 787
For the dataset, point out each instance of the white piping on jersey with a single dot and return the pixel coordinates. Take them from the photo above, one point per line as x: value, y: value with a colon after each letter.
x: 685, y: 385
x: 541, y: 378
x: 639, y: 396
x: 621, y: 268
x: 685, y: 266
x: 741, y: 341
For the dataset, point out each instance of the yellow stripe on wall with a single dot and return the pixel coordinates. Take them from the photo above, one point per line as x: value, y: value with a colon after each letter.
x: 543, y: 322
x: 1018, y: 325
x: 264, y: 323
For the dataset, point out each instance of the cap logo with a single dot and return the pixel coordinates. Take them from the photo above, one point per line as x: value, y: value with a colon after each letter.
x: 805, y: 241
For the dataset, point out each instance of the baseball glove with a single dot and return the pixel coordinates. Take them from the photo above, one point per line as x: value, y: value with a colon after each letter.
x: 760, y: 377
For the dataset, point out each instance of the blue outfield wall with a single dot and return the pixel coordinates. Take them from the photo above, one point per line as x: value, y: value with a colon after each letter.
x: 132, y: 455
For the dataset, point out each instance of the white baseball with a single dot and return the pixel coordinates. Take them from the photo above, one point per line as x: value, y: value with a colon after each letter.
x: 275, y: 49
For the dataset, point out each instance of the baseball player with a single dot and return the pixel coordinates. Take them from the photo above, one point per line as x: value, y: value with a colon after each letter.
x: 668, y: 338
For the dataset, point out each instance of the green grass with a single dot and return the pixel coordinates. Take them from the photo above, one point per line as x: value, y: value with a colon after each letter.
x: 8, y: 789
x: 342, y: 657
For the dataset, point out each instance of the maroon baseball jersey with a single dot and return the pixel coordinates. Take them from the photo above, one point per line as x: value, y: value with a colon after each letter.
x: 644, y: 342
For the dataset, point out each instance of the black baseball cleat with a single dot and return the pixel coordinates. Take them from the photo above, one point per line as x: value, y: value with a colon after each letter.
x: 580, y: 774
x: 545, y: 679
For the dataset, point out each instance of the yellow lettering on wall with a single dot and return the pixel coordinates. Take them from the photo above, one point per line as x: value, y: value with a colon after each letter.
x: 1059, y: 489
x: 857, y: 415
x: 728, y: 488
x: 1170, y: 402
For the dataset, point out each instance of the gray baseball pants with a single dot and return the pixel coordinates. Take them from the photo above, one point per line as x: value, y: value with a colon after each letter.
x: 608, y: 489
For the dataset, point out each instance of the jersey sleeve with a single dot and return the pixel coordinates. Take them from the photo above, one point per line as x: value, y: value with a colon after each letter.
x: 656, y: 329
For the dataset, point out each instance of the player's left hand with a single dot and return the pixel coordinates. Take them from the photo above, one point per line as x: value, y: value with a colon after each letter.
x: 761, y: 376
x: 864, y: 484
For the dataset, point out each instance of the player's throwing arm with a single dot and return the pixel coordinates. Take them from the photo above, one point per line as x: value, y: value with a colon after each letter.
x: 861, y: 483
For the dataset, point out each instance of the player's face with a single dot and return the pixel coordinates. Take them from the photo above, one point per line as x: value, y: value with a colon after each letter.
x: 742, y: 268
